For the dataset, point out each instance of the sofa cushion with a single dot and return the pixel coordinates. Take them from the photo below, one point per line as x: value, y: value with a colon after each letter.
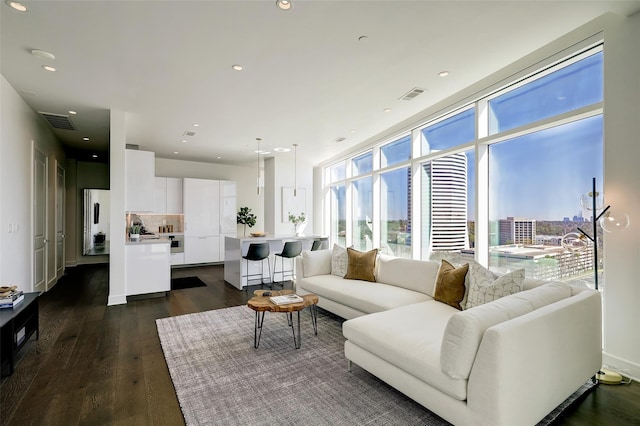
x: 450, y: 286
x: 361, y: 264
x: 339, y: 261
x: 363, y: 296
x: 417, y: 275
x: 409, y: 337
x: 465, y: 329
x: 316, y: 262
x: 485, y: 286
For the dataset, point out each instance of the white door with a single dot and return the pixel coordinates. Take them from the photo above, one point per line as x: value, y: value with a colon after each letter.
x: 60, y: 217
x: 40, y: 252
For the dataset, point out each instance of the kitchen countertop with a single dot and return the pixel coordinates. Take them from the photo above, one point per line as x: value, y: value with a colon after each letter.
x: 148, y: 241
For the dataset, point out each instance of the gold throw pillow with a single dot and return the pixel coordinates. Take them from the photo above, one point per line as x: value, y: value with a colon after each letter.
x: 361, y: 264
x: 450, y: 287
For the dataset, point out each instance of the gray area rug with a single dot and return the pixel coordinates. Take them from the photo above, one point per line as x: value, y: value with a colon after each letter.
x: 220, y: 379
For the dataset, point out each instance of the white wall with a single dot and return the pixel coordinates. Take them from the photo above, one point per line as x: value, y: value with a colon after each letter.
x: 245, y: 177
x: 621, y: 171
x: 279, y: 173
x: 621, y: 175
x: 20, y: 130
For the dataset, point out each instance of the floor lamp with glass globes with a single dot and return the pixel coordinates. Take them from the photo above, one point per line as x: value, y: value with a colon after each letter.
x: 576, y: 242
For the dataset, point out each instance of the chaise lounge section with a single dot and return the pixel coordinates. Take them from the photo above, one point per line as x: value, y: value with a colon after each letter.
x: 509, y: 361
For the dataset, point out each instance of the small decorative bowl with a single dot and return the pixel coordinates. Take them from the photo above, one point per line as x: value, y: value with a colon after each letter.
x: 258, y: 234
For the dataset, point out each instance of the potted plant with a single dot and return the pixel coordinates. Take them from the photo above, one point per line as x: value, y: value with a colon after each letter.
x: 297, y: 220
x: 134, y: 232
x: 246, y: 218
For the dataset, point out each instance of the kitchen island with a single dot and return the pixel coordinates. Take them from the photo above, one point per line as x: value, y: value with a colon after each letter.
x: 147, y: 266
x: 234, y: 248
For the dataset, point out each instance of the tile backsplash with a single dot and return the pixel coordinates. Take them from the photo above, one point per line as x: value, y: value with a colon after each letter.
x: 154, y: 222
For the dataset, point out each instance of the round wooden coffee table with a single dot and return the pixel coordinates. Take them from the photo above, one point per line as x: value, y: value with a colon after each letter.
x: 261, y: 304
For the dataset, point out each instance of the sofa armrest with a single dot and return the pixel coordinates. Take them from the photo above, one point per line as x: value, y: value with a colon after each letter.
x: 527, y: 366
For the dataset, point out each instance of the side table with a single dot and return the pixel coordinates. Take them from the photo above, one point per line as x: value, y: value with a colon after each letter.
x: 17, y: 325
x: 261, y: 304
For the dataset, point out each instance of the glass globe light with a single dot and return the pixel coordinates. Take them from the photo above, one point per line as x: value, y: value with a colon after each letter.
x: 574, y: 242
x: 612, y: 222
x: 586, y: 200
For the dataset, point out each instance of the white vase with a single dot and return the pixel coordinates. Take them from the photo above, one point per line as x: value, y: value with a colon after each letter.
x: 134, y: 237
x: 299, y: 228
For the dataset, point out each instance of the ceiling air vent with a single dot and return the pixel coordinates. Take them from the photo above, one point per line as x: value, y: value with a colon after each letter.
x: 340, y: 139
x: 188, y: 133
x: 58, y: 121
x: 412, y: 93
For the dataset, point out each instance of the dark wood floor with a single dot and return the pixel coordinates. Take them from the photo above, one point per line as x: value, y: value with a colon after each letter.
x: 98, y: 365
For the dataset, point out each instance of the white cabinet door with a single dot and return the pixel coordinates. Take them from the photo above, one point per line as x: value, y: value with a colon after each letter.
x: 147, y: 268
x: 160, y: 196
x: 174, y: 196
x: 139, y: 178
x: 201, y: 249
x: 177, y: 258
x: 201, y: 199
x: 228, y: 213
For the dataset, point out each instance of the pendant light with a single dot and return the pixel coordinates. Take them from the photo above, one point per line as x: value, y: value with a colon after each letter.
x: 258, y: 163
x: 295, y: 169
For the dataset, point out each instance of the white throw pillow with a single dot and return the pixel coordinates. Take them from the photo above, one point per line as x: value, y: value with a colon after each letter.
x: 484, y: 286
x: 339, y: 261
x: 316, y: 262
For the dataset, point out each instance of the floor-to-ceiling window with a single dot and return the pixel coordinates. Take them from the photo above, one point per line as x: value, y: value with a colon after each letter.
x: 538, y: 141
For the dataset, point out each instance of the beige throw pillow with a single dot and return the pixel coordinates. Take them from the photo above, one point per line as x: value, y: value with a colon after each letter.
x: 339, y: 261
x: 450, y: 288
x: 361, y: 264
x: 485, y: 286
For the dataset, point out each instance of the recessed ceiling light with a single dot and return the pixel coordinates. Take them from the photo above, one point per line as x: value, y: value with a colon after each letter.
x: 183, y: 141
x: 282, y: 149
x: 237, y: 67
x: 72, y: 112
x: 95, y: 155
x: 43, y: 54
x: 85, y: 139
x: 443, y: 73
x: 284, y: 4
x: 218, y: 158
x: 48, y: 68
x: 352, y: 131
x: 387, y: 110
x: 17, y: 5
x: 262, y: 151
x: 196, y: 125
x: 175, y: 152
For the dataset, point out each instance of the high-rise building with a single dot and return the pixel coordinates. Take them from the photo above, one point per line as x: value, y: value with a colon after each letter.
x: 516, y: 231
x: 445, y: 191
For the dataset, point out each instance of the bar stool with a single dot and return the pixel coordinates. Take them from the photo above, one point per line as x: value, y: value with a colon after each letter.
x: 290, y: 250
x: 257, y: 252
x: 317, y: 244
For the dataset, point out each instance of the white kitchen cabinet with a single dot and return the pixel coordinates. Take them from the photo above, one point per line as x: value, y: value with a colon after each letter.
x: 228, y: 213
x: 147, y: 267
x: 168, y: 196
x: 201, y: 203
x: 177, y: 258
x: 201, y: 249
x: 139, y: 177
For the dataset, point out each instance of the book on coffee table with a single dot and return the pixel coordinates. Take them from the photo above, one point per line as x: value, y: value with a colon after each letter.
x: 286, y: 299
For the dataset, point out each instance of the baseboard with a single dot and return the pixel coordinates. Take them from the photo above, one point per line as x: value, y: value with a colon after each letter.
x: 622, y: 366
x: 119, y: 299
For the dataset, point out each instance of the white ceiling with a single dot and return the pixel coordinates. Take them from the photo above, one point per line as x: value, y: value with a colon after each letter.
x: 307, y: 80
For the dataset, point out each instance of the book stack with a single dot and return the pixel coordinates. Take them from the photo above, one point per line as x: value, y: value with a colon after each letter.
x: 286, y: 299
x: 10, y: 297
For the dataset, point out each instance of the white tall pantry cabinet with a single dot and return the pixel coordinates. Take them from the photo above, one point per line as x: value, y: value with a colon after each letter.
x: 205, y: 218
x: 228, y: 213
x: 139, y: 177
x: 168, y: 196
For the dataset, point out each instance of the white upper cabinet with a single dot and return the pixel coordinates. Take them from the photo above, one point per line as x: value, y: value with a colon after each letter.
x: 201, y: 201
x: 168, y: 196
x: 139, y: 178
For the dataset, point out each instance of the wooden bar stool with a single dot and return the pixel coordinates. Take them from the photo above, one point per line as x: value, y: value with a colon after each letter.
x: 257, y: 252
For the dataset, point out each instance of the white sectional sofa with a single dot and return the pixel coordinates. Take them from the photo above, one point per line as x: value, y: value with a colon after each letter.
x: 507, y: 362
